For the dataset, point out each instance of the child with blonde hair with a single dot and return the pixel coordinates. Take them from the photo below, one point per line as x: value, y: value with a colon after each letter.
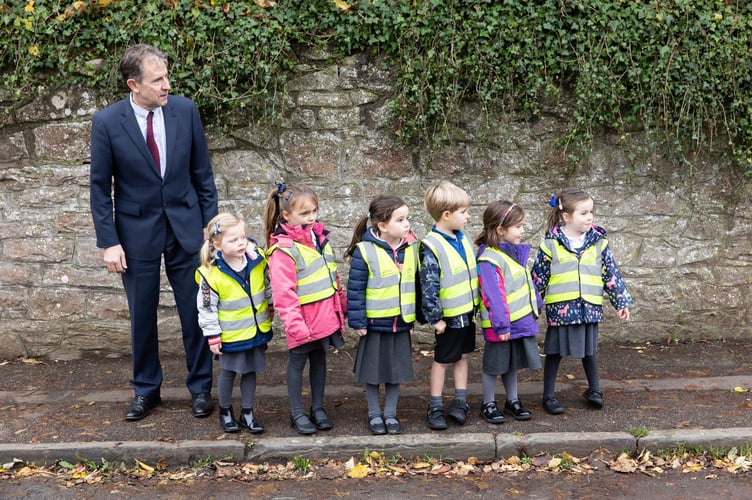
x: 235, y: 314
x: 450, y: 297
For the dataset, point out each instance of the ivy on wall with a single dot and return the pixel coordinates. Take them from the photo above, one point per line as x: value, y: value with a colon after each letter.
x: 680, y: 70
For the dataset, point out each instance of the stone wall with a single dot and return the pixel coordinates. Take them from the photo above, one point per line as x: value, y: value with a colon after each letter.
x: 680, y: 237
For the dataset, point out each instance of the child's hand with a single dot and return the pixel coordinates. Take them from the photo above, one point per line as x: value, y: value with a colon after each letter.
x: 439, y: 327
x: 215, y: 345
x: 623, y: 314
x: 361, y: 333
x: 505, y: 337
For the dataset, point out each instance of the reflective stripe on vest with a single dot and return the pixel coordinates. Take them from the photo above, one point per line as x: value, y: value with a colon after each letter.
x: 316, y: 272
x: 459, y: 279
x: 235, y: 308
x: 389, y: 291
x: 572, y: 278
x: 518, y: 287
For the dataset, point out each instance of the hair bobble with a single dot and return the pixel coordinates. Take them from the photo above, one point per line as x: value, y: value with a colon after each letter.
x: 555, y: 203
x: 281, y: 187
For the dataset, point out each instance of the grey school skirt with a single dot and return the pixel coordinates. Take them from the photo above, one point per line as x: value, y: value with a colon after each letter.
x: 502, y: 357
x: 576, y: 341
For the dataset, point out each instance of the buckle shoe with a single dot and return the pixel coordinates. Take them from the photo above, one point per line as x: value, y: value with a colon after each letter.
x: 491, y: 414
x: 302, y: 424
x: 320, y: 419
x: 594, y: 398
x: 552, y: 406
x: 515, y: 410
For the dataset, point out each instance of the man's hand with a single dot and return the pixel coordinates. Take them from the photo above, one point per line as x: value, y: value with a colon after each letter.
x: 114, y: 259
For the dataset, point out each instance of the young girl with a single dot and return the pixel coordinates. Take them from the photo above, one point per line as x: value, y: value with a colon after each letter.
x: 509, y: 308
x: 573, y: 268
x: 381, y: 305
x: 234, y: 314
x: 307, y: 295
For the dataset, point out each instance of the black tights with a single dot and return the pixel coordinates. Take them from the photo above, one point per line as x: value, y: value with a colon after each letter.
x: 551, y: 369
x: 316, y: 375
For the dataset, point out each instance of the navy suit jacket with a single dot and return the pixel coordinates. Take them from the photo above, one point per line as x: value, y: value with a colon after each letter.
x: 143, y: 202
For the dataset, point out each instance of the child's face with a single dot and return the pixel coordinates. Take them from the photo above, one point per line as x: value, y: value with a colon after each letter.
x: 396, y: 227
x: 512, y: 234
x: 455, y: 221
x: 581, y: 219
x: 304, y: 211
x: 233, y: 242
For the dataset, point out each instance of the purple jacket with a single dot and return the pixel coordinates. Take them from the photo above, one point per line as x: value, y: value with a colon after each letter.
x: 493, y: 295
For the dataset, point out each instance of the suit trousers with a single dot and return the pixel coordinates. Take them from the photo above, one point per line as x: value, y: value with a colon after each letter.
x: 142, y: 286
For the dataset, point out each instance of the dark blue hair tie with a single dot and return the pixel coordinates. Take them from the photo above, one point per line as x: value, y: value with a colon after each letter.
x: 281, y: 187
x: 554, y: 202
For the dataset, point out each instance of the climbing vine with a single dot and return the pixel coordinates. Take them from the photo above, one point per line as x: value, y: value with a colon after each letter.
x: 679, y: 70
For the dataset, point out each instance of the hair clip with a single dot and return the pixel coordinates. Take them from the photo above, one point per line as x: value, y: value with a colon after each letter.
x: 281, y: 187
x: 216, y: 228
x: 506, y: 214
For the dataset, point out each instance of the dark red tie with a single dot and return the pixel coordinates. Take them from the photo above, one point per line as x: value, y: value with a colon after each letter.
x: 150, y: 142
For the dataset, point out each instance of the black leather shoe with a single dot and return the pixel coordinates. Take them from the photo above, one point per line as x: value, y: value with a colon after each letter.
x: 515, y: 410
x: 321, y: 420
x: 140, y: 407
x: 227, y: 421
x: 392, y: 425
x: 491, y: 414
x: 248, y: 421
x: 376, y: 425
x: 302, y: 424
x: 552, y: 406
x: 594, y: 398
x: 435, y: 418
x: 458, y: 411
x: 202, y: 405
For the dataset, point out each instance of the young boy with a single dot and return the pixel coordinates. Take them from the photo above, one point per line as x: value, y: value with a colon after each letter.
x: 450, y: 297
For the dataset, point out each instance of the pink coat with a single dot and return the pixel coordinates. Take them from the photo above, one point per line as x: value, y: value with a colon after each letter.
x: 309, y: 322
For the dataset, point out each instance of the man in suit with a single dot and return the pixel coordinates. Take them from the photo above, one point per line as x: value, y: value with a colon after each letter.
x: 153, y: 148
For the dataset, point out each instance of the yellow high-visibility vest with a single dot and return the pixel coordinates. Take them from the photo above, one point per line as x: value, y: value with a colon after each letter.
x: 389, y: 291
x: 316, y: 272
x: 235, y: 309
x: 518, y: 286
x: 572, y: 278
x: 458, y: 279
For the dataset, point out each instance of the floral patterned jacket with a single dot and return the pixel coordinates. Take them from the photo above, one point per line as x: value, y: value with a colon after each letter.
x: 578, y: 311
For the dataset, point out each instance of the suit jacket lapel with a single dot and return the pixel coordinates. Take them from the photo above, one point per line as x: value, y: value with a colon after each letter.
x: 171, y: 131
x: 130, y: 124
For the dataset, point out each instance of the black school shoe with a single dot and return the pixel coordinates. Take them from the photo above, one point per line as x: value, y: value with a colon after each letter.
x: 515, y: 410
x: 435, y: 418
x: 594, y: 398
x: 552, y: 406
x: 491, y: 414
x: 458, y: 411
x: 376, y: 425
x: 320, y: 419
